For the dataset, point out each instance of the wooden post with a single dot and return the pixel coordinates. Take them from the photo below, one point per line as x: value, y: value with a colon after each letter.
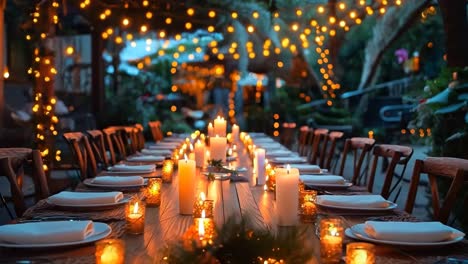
x: 456, y: 28
x: 2, y: 56
x: 97, y: 69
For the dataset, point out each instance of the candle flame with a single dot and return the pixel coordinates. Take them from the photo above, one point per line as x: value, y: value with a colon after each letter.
x: 210, y: 125
x: 199, y: 143
x: 135, y: 208
x: 185, y: 157
x: 203, y: 215
x: 288, y: 168
x: 230, y: 151
x: 265, y: 187
x: 202, y: 197
x: 191, y: 147
x: 201, y: 228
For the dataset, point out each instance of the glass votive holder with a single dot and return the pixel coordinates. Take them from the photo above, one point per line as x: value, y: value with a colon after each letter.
x: 135, y: 216
x: 203, y: 205
x: 307, y: 207
x: 153, y: 192
x: 331, y: 240
x: 360, y: 253
x: 110, y: 251
x: 205, y: 228
x: 167, y: 171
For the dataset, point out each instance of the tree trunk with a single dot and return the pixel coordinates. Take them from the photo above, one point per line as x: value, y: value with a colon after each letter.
x: 387, y: 30
x: 97, y: 64
x: 456, y: 31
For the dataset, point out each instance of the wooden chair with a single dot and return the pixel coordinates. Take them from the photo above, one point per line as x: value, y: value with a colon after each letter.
x: 318, y: 140
x: 96, y: 140
x: 114, y: 144
x: 453, y: 169
x: 360, y: 147
x: 12, y: 163
x: 156, y: 130
x: 302, y: 139
x: 128, y: 138
x: 287, y: 134
x: 83, y: 154
x: 140, y: 136
x: 328, y: 152
x: 309, y: 140
x: 398, y: 155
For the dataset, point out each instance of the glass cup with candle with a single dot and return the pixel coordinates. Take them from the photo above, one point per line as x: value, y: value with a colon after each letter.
x: 153, y: 192
x: 202, y: 204
x: 167, y: 171
x: 307, y: 207
x: 204, y: 227
x: 360, y: 253
x: 110, y: 251
x: 135, y: 216
x: 331, y: 240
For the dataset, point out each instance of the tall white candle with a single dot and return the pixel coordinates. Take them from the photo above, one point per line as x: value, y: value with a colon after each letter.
x: 199, y: 154
x: 220, y: 126
x: 186, y: 185
x: 210, y: 130
x: 287, y: 195
x: 218, y: 148
x: 235, y: 133
x: 259, y: 165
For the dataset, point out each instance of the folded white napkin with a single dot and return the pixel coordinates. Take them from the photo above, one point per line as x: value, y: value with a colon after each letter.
x: 80, y: 198
x: 306, y: 168
x: 172, y: 139
x: 162, y: 143
x: 409, y: 231
x: 289, y: 160
x: 269, y: 145
x: 322, y: 179
x: 157, y: 152
x: 146, y: 158
x: 354, y: 201
x: 263, y: 140
x: 117, y: 181
x: 135, y: 168
x: 280, y: 153
x: 160, y: 147
x: 46, y: 232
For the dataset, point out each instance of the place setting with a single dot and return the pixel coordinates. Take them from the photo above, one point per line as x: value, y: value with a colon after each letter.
x: 325, y: 181
x: 125, y: 169
x: 356, y: 204
x: 116, y: 182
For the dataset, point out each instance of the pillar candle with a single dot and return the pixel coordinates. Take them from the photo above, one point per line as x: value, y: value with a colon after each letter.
x: 218, y: 148
x: 220, y: 126
x: 235, y: 133
x: 199, y: 154
x: 259, y: 165
x: 186, y: 185
x: 287, y: 195
x: 210, y: 130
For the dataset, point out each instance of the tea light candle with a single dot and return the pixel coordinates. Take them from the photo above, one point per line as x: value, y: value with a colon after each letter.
x: 204, y: 227
x: 199, y: 154
x: 235, y: 132
x: 218, y: 148
x: 331, y: 240
x: 153, y: 192
x: 259, y: 165
x: 202, y: 204
x: 220, y: 126
x: 287, y: 195
x: 167, y: 170
x: 307, y: 207
x: 207, y: 156
x: 186, y: 185
x: 135, y: 216
x: 110, y: 251
x: 360, y: 253
x: 210, y: 130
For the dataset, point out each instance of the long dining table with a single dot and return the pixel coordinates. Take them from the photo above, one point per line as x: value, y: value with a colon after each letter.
x: 232, y: 200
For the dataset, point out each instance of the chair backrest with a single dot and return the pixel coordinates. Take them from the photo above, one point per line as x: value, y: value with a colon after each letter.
x: 320, y: 134
x: 287, y: 134
x: 156, y: 130
x: 96, y: 140
x: 128, y: 138
x: 309, y: 140
x: 114, y: 144
x: 439, y: 167
x: 302, y: 139
x: 360, y: 147
x: 140, y: 136
x: 398, y: 155
x: 83, y: 153
x: 328, y: 150
x: 12, y: 162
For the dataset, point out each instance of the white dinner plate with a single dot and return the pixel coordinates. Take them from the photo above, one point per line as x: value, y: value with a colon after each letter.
x: 101, y: 230
x: 128, y: 173
x: 345, y: 185
x: 283, y: 160
x: 91, y: 206
x: 390, y: 207
x: 357, y: 232
x: 90, y: 183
